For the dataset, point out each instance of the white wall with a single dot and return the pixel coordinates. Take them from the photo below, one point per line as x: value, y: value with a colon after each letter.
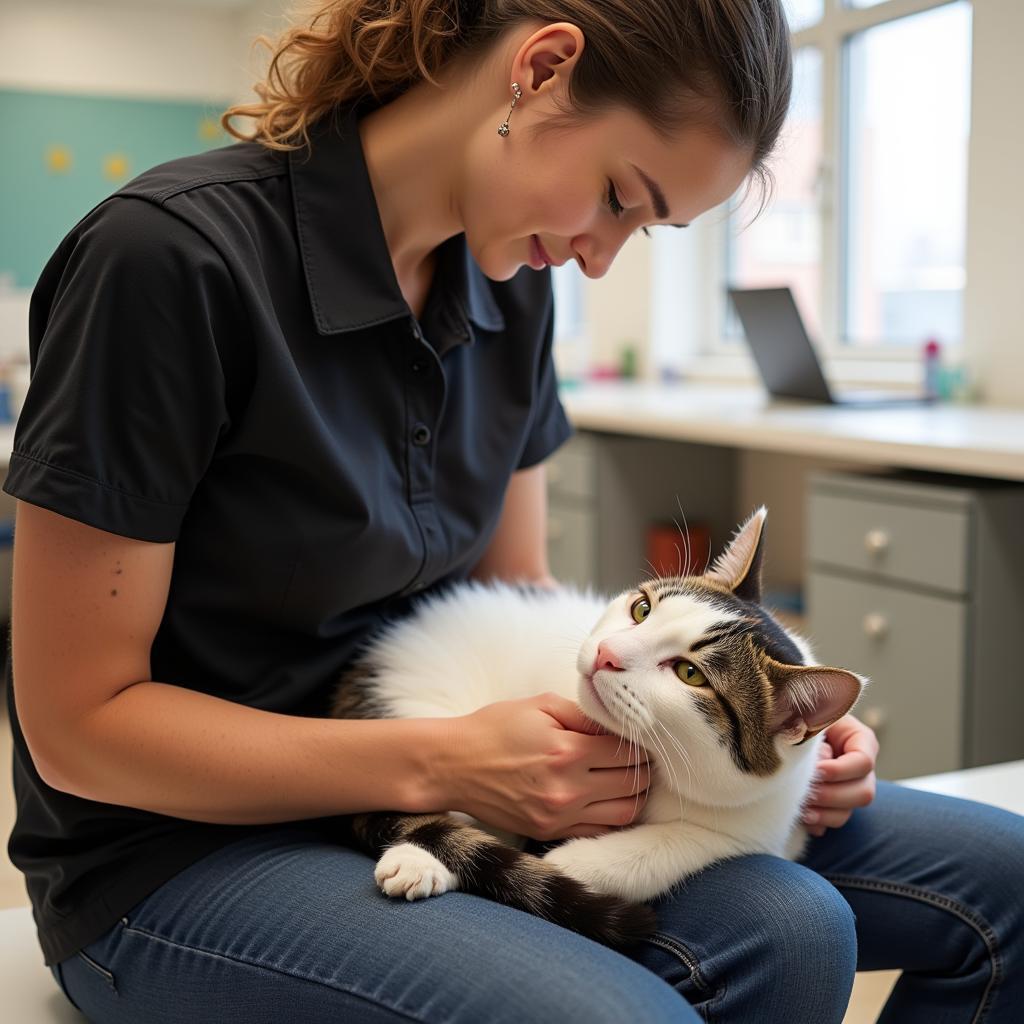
x: 994, y: 304
x: 168, y: 50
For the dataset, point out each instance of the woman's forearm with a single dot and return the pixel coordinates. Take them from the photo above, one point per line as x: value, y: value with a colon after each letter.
x: 174, y: 751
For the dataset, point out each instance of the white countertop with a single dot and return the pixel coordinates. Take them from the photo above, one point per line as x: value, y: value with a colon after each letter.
x: 999, y: 784
x: 978, y: 440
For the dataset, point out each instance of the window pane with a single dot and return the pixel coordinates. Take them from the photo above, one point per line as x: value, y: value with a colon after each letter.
x: 783, y: 246
x: 801, y: 13
x: 907, y: 120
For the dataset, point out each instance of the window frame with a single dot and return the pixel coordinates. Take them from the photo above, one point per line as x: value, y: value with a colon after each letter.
x: 886, y: 360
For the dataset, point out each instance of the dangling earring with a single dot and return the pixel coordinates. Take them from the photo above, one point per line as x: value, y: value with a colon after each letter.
x: 503, y: 127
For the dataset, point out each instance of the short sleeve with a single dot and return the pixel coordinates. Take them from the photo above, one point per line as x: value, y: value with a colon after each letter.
x: 127, y: 394
x: 550, y: 428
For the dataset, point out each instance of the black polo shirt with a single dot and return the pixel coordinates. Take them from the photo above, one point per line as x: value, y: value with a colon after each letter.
x: 222, y: 357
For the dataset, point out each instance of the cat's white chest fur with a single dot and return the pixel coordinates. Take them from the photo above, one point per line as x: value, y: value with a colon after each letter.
x: 517, y: 647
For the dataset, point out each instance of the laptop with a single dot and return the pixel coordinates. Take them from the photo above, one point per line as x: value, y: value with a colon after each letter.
x: 786, y: 358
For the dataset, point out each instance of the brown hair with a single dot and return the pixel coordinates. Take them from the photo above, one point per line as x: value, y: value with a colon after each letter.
x: 725, y: 63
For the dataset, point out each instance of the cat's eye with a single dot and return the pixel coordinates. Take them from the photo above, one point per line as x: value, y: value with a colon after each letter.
x: 689, y: 673
x: 641, y: 609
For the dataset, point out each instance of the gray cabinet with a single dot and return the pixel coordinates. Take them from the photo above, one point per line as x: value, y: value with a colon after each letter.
x: 572, y: 513
x: 605, y: 489
x: 916, y: 581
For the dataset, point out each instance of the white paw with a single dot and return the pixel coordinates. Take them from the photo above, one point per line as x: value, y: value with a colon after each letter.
x: 409, y: 871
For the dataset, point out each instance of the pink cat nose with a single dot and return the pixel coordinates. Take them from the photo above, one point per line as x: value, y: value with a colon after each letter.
x: 607, y: 659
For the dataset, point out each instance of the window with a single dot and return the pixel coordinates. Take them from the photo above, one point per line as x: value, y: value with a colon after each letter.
x: 801, y: 13
x: 906, y: 118
x: 784, y: 244
x: 868, y: 219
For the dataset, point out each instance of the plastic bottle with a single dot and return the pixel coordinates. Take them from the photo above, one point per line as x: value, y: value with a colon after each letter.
x: 932, y: 355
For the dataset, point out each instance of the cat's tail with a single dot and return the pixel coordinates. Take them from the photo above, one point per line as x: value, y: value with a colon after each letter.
x: 484, y: 866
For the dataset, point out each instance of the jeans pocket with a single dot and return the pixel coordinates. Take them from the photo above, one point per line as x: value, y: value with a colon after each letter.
x: 98, y: 968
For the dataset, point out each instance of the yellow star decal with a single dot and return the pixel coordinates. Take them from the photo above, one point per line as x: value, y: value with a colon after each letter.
x: 209, y: 129
x: 58, y: 159
x: 115, y: 166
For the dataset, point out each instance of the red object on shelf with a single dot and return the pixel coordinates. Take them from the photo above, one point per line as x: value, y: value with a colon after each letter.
x: 667, y: 549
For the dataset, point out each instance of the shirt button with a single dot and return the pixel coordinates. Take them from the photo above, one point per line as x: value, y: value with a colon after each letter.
x: 418, y: 367
x: 421, y: 434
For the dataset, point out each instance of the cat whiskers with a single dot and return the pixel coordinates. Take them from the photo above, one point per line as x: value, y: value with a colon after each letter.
x: 642, y: 729
x: 654, y: 576
x: 687, y: 764
x: 636, y: 780
x: 685, y: 533
x: 669, y: 766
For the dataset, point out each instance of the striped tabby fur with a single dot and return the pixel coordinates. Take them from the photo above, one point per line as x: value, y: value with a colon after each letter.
x: 477, y: 862
x: 732, y: 757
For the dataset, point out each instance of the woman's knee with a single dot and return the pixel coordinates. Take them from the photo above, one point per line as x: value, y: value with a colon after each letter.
x: 806, y: 924
x: 759, y: 930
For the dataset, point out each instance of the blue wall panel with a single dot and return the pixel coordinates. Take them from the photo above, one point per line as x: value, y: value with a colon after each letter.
x: 62, y: 154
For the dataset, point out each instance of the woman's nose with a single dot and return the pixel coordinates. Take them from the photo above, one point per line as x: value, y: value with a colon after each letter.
x: 596, y: 259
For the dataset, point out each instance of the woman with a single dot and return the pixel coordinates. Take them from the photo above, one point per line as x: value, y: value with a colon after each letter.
x: 282, y: 388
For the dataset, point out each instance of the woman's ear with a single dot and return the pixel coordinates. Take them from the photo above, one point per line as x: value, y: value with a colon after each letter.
x: 554, y: 46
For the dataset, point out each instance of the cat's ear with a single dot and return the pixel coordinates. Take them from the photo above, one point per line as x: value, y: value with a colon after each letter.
x: 809, y: 698
x: 738, y: 567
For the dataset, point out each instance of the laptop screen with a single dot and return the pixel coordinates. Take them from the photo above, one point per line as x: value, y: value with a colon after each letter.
x: 779, y: 344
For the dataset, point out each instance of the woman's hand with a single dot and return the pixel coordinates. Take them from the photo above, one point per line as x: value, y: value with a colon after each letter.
x: 845, y: 778
x: 539, y: 767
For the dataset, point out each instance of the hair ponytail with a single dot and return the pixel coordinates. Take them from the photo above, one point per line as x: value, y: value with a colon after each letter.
x: 344, y: 50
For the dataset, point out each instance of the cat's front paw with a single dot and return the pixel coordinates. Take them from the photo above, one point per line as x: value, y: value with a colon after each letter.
x: 583, y: 860
x: 410, y: 871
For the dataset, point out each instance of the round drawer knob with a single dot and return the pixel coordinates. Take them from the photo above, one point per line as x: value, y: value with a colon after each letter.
x: 876, y: 541
x: 875, y: 625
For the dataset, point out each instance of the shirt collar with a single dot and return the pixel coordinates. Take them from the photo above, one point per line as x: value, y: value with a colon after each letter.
x: 349, y: 274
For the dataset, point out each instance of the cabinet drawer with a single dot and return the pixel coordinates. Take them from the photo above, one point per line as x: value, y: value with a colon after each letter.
x: 572, y: 544
x: 911, y: 646
x: 570, y: 471
x: 922, y: 545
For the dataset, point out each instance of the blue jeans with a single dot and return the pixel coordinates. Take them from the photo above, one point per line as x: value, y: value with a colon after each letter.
x: 284, y: 927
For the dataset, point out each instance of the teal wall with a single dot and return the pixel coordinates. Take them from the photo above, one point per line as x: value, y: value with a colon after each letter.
x: 62, y: 154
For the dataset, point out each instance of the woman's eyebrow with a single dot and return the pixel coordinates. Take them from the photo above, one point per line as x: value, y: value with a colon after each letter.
x: 657, y: 197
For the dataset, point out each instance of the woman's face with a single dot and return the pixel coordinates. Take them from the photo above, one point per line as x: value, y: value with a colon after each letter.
x: 582, y: 191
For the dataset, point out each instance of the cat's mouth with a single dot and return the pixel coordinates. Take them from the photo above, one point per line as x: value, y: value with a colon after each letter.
x: 597, y: 696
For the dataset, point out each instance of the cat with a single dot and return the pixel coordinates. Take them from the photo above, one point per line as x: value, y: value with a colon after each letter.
x: 727, y: 702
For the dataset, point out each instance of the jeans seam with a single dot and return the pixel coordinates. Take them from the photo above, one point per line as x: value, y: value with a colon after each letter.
x: 692, y: 963
x: 58, y: 972
x: 966, y: 914
x: 374, y: 1000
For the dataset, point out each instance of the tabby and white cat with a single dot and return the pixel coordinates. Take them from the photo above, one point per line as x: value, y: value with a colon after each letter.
x: 725, y: 700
